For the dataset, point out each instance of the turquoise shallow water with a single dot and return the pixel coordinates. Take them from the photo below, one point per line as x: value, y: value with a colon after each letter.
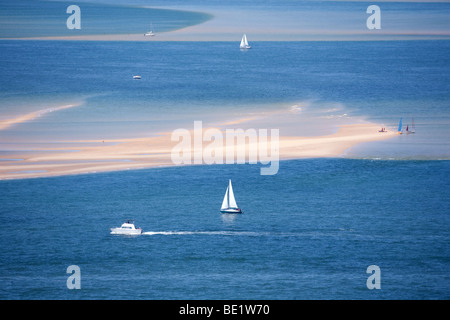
x: 309, y: 232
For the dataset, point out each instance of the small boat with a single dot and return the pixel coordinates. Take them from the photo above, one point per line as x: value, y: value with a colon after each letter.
x: 229, y: 202
x: 412, y: 129
x: 127, y: 228
x: 136, y: 77
x: 244, y: 43
x: 382, y: 130
x: 150, y: 33
x: 399, y: 131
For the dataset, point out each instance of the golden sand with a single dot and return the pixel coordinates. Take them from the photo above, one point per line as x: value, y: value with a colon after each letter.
x: 148, y: 152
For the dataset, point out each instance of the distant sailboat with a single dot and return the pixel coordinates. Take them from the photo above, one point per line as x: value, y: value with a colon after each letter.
x: 229, y: 203
x: 412, y: 130
x: 399, y: 131
x: 244, y: 43
x: 150, y: 33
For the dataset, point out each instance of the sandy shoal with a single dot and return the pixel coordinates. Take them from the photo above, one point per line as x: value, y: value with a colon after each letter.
x: 4, y: 124
x: 113, y: 155
x: 229, y: 25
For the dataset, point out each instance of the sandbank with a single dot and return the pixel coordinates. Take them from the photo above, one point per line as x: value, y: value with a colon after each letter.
x: 151, y: 152
x: 229, y: 23
x: 4, y: 124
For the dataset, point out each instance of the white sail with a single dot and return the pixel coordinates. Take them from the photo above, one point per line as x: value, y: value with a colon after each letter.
x: 225, y: 201
x: 229, y: 204
x: 150, y: 33
x: 244, y: 43
x: 231, y: 200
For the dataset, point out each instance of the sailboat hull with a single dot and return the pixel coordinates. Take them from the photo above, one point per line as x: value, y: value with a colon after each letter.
x: 231, y: 210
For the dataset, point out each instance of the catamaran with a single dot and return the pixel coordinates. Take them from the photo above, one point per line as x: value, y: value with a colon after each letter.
x: 244, y: 43
x: 229, y: 203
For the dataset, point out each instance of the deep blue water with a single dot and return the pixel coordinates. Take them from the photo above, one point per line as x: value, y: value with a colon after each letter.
x: 309, y: 232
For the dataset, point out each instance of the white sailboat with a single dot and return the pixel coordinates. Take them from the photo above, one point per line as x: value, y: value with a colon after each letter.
x: 244, y: 43
x: 150, y: 33
x: 412, y: 129
x: 229, y: 202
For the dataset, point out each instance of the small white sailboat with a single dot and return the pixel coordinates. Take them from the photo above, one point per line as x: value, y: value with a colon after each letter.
x: 412, y: 129
x: 229, y: 202
x: 136, y: 77
x: 244, y: 43
x: 150, y: 33
x: 127, y: 228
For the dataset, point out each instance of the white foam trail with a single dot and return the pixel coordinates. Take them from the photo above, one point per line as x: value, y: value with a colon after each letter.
x: 224, y: 233
x: 330, y: 233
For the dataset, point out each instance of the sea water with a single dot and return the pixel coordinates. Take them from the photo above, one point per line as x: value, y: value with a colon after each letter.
x: 27, y: 18
x: 331, y: 82
x: 308, y: 232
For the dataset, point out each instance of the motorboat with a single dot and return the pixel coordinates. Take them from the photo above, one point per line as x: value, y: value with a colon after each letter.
x: 127, y: 228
